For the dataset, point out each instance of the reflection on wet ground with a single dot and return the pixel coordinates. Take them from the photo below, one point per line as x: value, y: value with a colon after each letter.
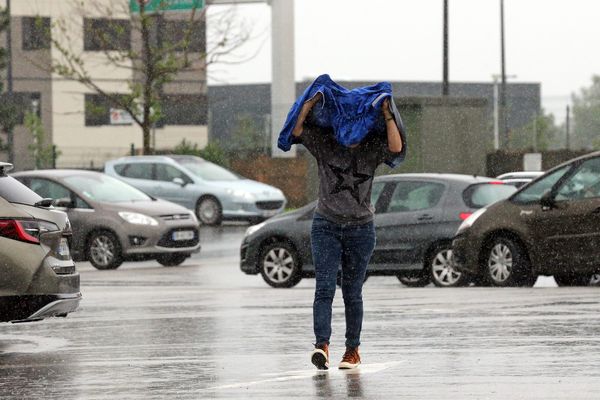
x: 205, y: 330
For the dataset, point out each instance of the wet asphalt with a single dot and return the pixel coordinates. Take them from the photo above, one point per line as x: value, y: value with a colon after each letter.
x: 205, y: 330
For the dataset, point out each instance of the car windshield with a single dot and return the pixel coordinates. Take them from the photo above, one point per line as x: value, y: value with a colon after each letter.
x: 208, y: 171
x: 104, y: 188
x: 14, y: 191
x: 535, y: 191
x: 484, y: 194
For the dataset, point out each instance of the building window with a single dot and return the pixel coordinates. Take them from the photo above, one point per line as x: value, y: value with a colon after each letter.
x: 36, y: 33
x: 175, y: 34
x: 97, y: 110
x: 102, y: 34
x: 185, y: 109
x: 23, y: 102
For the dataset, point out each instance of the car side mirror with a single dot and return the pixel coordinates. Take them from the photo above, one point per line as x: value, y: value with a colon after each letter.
x: 179, y: 181
x: 547, y: 200
x: 65, y: 202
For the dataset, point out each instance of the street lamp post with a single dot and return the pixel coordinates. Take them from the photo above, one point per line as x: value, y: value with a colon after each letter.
x: 503, y: 113
x: 445, y: 82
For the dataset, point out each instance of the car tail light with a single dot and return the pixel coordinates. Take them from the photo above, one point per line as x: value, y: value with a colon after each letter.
x: 25, y: 230
x: 497, y: 183
x: 464, y: 215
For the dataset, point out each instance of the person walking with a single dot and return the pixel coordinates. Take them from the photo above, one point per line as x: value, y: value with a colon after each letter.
x: 342, y: 230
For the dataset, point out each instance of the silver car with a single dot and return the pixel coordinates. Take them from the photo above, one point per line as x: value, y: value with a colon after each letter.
x: 115, y: 222
x: 213, y: 192
x: 39, y: 278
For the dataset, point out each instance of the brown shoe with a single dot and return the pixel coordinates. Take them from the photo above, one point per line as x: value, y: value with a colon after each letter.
x: 320, y: 356
x: 351, y: 358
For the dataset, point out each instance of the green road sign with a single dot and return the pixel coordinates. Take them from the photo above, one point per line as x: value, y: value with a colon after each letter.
x: 152, y: 6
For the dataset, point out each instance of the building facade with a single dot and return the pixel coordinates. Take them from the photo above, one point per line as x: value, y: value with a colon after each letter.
x: 76, y: 119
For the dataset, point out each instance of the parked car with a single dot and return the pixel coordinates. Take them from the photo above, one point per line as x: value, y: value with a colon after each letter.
x: 416, y: 216
x: 39, y: 278
x: 549, y: 227
x: 213, y: 192
x: 115, y: 222
x: 519, y: 178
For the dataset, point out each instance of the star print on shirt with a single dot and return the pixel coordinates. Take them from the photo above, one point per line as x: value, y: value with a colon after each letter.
x: 349, y: 179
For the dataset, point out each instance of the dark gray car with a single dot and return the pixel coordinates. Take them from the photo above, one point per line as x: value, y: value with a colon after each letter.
x: 416, y: 217
x: 113, y: 221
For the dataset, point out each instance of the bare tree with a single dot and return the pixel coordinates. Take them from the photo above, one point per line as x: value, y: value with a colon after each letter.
x: 153, y: 46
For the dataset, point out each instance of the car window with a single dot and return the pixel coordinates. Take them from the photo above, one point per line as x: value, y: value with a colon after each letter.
x: 413, y: 196
x: 207, y: 170
x: 376, y: 191
x: 583, y: 184
x: 104, y: 188
x: 14, y: 191
x: 535, y: 191
x: 54, y: 190
x: 135, y: 170
x: 165, y: 172
x: 483, y: 194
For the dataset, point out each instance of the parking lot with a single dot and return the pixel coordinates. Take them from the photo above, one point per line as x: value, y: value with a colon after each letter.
x: 205, y: 330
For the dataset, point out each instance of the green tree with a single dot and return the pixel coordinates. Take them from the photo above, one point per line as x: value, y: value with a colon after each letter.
x: 247, y: 139
x: 154, y: 58
x: 43, y: 154
x: 586, y: 116
x: 539, y: 134
x: 213, y: 152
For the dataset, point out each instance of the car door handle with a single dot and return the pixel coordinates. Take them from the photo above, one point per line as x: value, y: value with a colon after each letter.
x: 425, y: 217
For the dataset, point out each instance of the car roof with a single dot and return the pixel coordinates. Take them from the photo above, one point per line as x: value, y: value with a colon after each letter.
x: 520, y: 174
x: 56, y: 173
x: 461, y: 178
x: 151, y: 158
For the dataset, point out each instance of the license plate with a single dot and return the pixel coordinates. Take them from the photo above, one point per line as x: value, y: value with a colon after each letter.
x: 63, y: 248
x: 183, y: 235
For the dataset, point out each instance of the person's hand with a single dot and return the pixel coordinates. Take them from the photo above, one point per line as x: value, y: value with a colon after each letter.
x: 385, y: 108
x: 314, y: 100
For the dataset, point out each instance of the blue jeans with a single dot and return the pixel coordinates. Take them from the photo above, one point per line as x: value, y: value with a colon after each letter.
x: 351, y: 247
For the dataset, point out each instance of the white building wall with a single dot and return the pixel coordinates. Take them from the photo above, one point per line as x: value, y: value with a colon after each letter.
x: 85, y: 146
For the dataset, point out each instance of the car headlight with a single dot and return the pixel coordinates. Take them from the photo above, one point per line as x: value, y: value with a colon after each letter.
x: 240, y: 194
x: 467, y: 223
x: 254, y: 228
x: 137, y: 218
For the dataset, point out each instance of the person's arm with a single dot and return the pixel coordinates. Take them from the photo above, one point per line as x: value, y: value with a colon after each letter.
x: 306, y: 107
x: 394, y: 139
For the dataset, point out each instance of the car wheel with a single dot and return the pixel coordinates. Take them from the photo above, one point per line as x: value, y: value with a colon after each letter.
x: 209, y: 211
x: 506, y: 264
x: 573, y: 279
x: 414, y: 280
x: 171, y: 259
x: 595, y: 280
x: 280, y: 266
x: 441, y: 268
x: 104, y: 250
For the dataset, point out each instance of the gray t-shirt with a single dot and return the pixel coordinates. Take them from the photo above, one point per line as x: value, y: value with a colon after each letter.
x: 345, y: 174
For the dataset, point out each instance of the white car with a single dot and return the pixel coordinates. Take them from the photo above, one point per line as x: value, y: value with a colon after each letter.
x: 213, y: 192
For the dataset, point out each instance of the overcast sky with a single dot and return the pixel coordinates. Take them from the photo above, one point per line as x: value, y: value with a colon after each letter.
x: 554, y: 42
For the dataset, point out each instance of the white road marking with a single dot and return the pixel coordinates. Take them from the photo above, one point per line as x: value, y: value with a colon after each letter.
x: 285, y: 376
x: 31, y: 344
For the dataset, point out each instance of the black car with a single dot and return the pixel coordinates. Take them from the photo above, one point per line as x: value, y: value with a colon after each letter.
x: 416, y: 217
x: 549, y: 227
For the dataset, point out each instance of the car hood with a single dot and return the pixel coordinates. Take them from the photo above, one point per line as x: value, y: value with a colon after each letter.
x: 294, y: 214
x: 248, y: 185
x: 150, y: 207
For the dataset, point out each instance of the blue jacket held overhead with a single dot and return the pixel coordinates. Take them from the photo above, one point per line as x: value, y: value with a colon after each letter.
x: 353, y: 114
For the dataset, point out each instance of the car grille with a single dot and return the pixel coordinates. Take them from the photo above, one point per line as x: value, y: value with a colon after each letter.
x: 63, y: 270
x: 167, y: 239
x: 269, y: 205
x: 175, y: 217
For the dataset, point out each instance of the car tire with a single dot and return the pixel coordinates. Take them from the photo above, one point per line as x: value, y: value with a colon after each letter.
x: 506, y: 263
x: 573, y: 279
x: 103, y: 250
x: 417, y: 280
x: 280, y: 265
x: 441, y: 270
x: 171, y: 259
x: 595, y: 280
x: 209, y: 211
